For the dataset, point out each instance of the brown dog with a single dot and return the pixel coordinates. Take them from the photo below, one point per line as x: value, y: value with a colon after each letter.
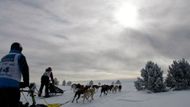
x: 89, y: 94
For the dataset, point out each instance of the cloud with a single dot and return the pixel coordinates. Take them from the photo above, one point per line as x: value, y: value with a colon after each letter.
x: 80, y: 38
x: 167, y: 25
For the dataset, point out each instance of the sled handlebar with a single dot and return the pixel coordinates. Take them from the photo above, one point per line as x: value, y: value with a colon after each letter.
x: 25, y: 90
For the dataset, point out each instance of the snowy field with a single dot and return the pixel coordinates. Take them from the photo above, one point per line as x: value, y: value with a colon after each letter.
x: 128, y: 97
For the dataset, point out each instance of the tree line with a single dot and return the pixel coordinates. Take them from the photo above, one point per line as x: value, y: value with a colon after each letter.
x: 151, y: 79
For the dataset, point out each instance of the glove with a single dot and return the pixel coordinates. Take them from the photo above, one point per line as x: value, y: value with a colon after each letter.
x: 53, y: 82
x: 24, y: 84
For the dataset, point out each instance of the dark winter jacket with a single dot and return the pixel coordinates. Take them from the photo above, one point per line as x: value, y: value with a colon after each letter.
x: 49, y: 74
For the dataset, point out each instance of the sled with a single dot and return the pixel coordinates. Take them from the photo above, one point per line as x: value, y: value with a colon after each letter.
x: 54, y: 90
x: 31, y: 91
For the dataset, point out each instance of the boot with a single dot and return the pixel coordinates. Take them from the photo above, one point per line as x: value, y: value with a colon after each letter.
x: 39, y: 94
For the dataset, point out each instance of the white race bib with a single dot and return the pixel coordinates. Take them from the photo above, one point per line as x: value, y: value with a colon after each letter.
x: 9, y: 68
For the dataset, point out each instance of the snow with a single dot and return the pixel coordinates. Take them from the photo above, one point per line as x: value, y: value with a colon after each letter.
x: 128, y: 97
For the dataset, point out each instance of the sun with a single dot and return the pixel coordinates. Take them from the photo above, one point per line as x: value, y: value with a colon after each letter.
x: 127, y: 15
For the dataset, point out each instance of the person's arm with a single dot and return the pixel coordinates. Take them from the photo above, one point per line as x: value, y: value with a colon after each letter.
x: 24, y: 70
x: 51, y: 76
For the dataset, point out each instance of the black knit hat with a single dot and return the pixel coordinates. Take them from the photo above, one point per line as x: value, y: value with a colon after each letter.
x: 48, y: 69
x: 16, y: 46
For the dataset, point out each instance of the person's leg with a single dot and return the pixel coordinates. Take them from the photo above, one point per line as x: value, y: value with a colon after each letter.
x: 46, y: 90
x: 47, y: 86
x: 14, y: 97
x: 9, y: 97
x: 3, y: 98
x: 41, y: 88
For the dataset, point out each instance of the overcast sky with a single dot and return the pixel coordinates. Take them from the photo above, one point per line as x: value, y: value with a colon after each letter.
x: 86, y: 39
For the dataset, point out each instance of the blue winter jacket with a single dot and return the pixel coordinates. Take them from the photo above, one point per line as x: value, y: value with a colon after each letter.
x: 23, y: 67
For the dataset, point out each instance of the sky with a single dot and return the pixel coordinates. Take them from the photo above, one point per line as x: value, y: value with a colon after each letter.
x: 96, y: 39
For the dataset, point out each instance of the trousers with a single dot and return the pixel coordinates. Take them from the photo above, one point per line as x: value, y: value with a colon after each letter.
x: 9, y: 97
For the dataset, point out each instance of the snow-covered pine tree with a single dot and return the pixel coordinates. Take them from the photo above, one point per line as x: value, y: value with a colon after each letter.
x: 139, y: 84
x: 69, y: 83
x: 118, y: 82
x: 179, y: 75
x: 152, y: 78
x: 91, y: 83
x: 64, y: 83
x: 56, y: 82
x: 112, y: 83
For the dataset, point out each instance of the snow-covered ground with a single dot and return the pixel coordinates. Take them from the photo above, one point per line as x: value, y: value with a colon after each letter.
x: 128, y: 97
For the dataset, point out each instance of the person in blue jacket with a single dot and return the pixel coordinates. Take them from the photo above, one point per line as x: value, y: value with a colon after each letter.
x: 12, y: 67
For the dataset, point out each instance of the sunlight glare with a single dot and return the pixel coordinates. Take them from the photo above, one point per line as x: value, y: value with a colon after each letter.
x: 127, y: 15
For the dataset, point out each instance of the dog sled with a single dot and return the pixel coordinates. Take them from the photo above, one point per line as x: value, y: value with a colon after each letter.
x: 54, y: 90
x: 31, y: 91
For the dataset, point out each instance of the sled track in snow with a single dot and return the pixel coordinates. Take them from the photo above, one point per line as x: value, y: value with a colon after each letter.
x: 131, y: 100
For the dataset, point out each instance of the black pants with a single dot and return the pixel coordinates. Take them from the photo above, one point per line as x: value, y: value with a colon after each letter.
x: 44, y: 82
x: 9, y: 97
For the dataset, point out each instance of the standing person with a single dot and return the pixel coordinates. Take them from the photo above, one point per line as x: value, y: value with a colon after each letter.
x: 12, y: 66
x: 45, y: 81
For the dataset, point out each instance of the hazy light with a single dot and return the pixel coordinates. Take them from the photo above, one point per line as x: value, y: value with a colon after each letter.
x: 127, y: 15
